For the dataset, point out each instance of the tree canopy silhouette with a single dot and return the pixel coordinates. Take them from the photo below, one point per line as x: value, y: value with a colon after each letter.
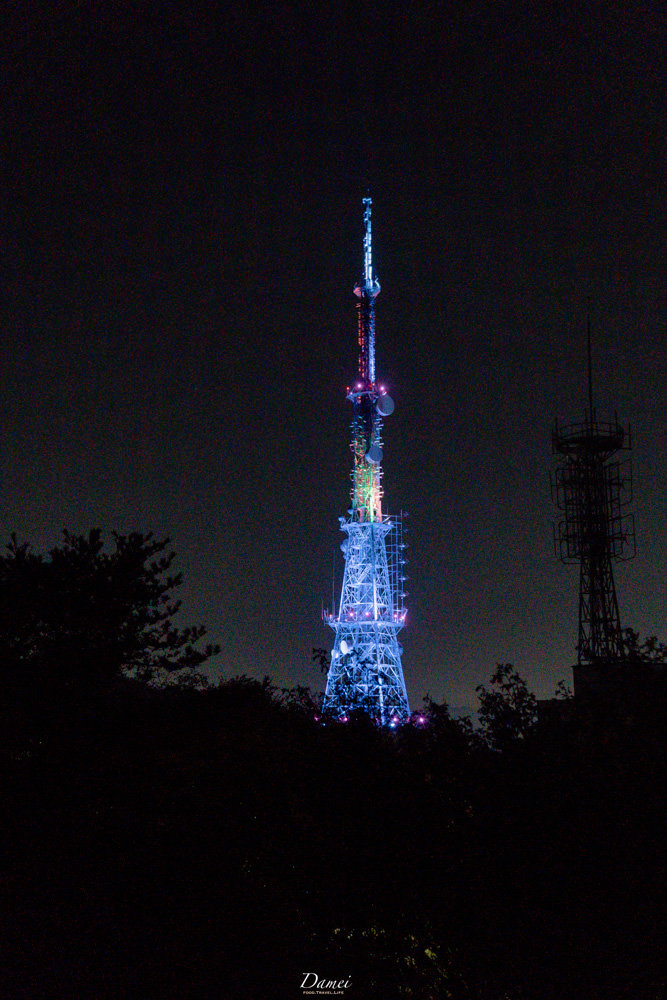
x: 649, y: 650
x: 82, y: 615
x: 507, y: 712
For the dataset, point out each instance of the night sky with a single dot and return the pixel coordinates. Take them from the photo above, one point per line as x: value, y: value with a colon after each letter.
x: 181, y: 231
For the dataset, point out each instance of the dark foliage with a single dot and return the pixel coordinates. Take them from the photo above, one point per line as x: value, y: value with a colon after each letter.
x: 507, y: 712
x: 221, y: 842
x: 81, y: 615
x: 649, y: 650
x: 322, y: 658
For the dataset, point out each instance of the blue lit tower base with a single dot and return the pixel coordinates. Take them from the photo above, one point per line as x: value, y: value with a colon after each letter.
x: 366, y: 671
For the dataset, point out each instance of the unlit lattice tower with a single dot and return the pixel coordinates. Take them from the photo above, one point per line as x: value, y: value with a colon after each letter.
x: 593, y: 488
x: 365, y: 671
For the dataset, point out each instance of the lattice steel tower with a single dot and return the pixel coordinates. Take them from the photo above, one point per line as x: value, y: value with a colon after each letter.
x: 592, y: 488
x: 366, y: 669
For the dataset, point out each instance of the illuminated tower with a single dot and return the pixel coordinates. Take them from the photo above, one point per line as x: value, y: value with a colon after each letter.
x: 365, y: 669
x: 592, y: 488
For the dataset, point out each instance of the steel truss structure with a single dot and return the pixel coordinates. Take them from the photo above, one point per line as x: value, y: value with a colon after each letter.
x: 593, y: 490
x: 365, y: 671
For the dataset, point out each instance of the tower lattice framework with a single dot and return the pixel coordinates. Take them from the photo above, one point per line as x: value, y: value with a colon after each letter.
x: 593, y: 488
x: 366, y: 671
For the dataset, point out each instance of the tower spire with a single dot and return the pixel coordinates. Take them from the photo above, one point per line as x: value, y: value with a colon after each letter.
x: 590, y: 363
x: 367, y: 291
x: 366, y: 671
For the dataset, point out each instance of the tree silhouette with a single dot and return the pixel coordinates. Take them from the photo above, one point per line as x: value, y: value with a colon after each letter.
x: 323, y: 658
x: 651, y: 650
x: 508, y: 712
x: 81, y: 616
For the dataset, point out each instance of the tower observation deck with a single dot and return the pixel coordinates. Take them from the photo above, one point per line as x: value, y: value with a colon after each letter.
x: 365, y: 671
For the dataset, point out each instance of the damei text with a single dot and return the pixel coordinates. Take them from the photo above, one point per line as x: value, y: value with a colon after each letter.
x: 310, y: 981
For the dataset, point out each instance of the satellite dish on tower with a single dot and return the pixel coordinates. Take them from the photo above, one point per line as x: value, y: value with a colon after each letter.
x: 385, y: 405
x: 374, y: 454
x: 344, y: 647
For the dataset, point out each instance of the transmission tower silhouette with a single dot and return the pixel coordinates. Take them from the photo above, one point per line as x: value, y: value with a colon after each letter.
x: 593, y: 489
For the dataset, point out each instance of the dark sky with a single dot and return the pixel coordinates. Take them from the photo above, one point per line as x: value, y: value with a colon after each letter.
x: 181, y: 232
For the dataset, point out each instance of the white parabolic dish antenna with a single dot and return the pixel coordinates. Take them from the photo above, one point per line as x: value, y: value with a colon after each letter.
x: 374, y: 454
x: 385, y: 405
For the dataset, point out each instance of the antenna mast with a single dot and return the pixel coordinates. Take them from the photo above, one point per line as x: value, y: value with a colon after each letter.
x: 367, y: 291
x: 366, y: 671
x: 590, y: 364
x: 592, y: 489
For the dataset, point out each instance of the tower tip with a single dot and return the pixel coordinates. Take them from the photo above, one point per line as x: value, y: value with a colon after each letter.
x: 590, y: 362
